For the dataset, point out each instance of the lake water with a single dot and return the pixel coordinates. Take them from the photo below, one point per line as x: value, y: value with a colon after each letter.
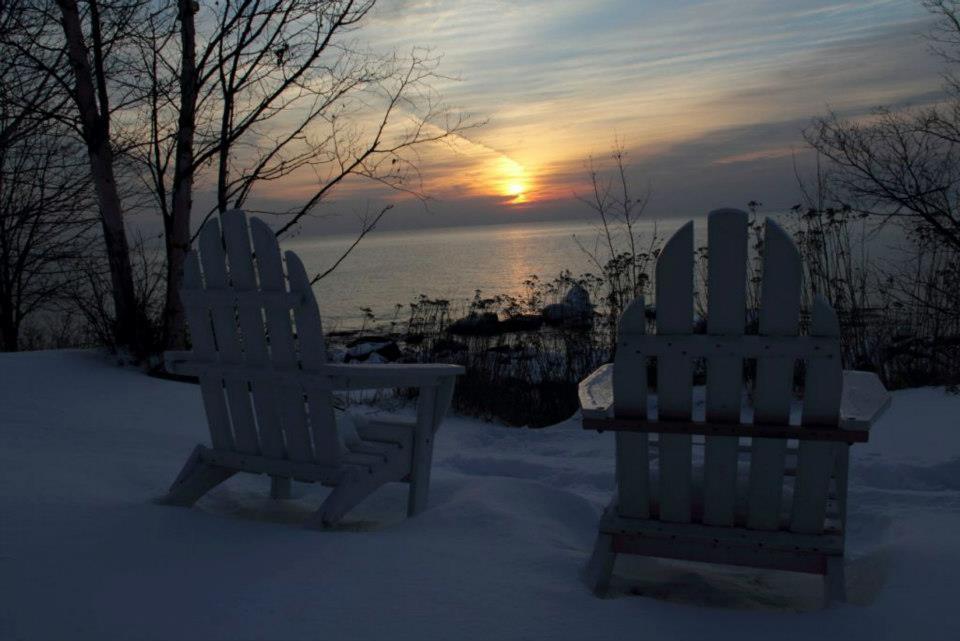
x: 396, y: 267
x: 393, y: 268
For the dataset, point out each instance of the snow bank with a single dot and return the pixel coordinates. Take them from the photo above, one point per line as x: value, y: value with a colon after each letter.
x: 85, y: 446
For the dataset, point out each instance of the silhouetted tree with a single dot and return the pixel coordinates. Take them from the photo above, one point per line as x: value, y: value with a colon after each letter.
x: 244, y: 94
x: 233, y: 95
x: 901, y: 167
x: 45, y: 204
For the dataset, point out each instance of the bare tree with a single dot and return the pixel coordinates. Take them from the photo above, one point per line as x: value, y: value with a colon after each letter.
x: 78, y: 45
x: 904, y: 165
x: 246, y: 94
x: 45, y: 204
x: 233, y: 95
x: 620, y: 251
x: 900, y: 167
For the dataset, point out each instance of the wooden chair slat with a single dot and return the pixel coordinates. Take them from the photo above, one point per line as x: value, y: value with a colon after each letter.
x: 779, y: 316
x: 674, y: 283
x: 201, y: 335
x: 290, y: 400
x: 244, y: 279
x: 823, y: 390
x: 213, y: 260
x: 630, y: 394
x: 726, y: 290
x: 313, y: 355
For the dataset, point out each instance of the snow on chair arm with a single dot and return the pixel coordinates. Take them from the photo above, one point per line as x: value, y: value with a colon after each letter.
x: 864, y: 400
x: 596, y: 393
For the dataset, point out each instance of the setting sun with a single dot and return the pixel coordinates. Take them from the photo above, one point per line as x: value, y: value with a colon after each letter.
x: 518, y: 191
x: 512, y: 181
x: 515, y: 189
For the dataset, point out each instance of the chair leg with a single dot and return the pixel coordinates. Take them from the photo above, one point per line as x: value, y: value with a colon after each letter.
x: 427, y: 421
x: 280, y: 487
x: 834, y: 582
x: 347, y: 495
x: 600, y: 566
x: 195, y: 479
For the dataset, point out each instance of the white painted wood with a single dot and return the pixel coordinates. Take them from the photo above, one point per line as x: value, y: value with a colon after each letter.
x: 698, y: 549
x: 313, y: 356
x: 629, y: 386
x: 821, y: 407
x: 256, y: 356
x: 841, y: 476
x: 308, y: 472
x: 242, y: 299
x: 810, y: 538
x: 196, y: 478
x: 726, y: 316
x: 827, y: 543
x: 332, y: 376
x: 282, y: 377
x: 835, y: 582
x: 201, y: 336
x: 674, y: 283
x: 713, y: 346
x: 600, y: 566
x: 290, y: 399
x: 281, y: 487
x: 394, y: 431
x: 213, y: 260
x: 422, y: 450
x: 779, y: 316
x: 443, y: 401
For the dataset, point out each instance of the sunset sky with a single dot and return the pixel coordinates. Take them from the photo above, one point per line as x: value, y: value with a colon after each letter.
x: 709, y: 98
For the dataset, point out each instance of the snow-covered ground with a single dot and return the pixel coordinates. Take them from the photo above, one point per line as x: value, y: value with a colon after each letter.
x: 84, y: 553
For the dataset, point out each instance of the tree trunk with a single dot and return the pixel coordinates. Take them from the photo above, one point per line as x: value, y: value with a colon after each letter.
x: 9, y: 328
x: 95, y: 125
x: 178, y: 229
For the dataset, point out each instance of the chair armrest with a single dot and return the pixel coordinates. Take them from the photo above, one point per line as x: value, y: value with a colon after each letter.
x: 863, y: 401
x: 596, y: 393
x: 333, y: 376
x: 346, y: 376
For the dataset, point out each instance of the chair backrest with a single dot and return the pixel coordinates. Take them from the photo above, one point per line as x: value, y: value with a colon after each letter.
x: 258, y: 329
x: 707, y: 489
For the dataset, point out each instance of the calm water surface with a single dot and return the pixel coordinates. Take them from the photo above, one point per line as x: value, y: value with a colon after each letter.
x: 396, y: 267
x: 393, y: 268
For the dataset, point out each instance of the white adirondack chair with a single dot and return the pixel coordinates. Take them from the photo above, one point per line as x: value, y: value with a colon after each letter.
x: 787, y: 508
x: 267, y: 388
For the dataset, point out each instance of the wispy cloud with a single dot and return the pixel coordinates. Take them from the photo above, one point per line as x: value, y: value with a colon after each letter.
x: 733, y: 79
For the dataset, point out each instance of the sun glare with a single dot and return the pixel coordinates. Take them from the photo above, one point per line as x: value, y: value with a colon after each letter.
x: 512, y: 181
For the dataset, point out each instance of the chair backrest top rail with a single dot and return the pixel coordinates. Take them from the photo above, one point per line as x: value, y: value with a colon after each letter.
x: 250, y: 297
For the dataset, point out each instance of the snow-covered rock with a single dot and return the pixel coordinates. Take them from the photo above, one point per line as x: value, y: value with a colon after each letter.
x: 373, y: 352
x: 578, y: 299
x: 574, y: 309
